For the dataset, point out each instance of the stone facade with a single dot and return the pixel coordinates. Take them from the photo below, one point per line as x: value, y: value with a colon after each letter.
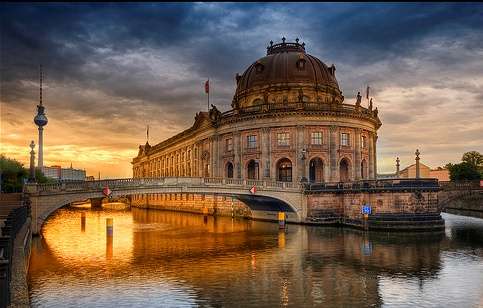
x: 288, y: 123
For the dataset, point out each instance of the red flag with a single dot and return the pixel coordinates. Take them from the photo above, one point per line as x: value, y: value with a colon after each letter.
x: 207, y: 86
x: 106, y: 191
x: 253, y: 190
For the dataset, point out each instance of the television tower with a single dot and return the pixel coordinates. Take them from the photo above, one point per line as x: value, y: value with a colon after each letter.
x: 41, y: 120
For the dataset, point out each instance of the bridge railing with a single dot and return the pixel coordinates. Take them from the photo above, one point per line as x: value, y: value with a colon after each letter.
x: 114, y: 184
x: 461, y: 185
x: 374, y: 185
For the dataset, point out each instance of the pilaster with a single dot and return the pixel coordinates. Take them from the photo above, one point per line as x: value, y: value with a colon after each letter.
x: 333, y: 151
x: 357, y: 155
x: 266, y: 152
x: 237, y: 152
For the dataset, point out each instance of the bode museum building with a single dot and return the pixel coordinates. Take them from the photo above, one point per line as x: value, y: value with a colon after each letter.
x: 288, y: 123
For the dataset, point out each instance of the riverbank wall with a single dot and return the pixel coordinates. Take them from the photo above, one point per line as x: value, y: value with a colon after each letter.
x: 217, y: 205
x: 19, y: 293
x: 389, y: 210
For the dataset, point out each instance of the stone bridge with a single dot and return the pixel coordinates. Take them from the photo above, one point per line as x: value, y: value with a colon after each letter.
x: 269, y: 195
x: 461, y: 196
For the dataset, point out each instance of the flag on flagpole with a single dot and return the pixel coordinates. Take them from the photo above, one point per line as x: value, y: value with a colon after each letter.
x: 367, y: 92
x: 207, y: 86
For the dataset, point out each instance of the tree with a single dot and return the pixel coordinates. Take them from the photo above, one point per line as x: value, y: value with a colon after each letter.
x: 473, y: 158
x: 12, y: 174
x: 463, y: 172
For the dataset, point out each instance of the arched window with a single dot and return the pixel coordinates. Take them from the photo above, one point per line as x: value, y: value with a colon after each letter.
x: 284, y: 170
x: 344, y: 170
x: 316, y: 171
x: 252, y: 170
x: 229, y: 170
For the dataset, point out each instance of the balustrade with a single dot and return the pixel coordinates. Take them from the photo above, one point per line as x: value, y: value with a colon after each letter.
x: 127, y: 183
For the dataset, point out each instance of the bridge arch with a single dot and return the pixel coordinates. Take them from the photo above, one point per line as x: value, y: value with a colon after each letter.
x: 269, y: 198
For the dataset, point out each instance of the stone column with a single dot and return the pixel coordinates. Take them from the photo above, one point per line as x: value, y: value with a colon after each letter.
x: 375, y: 155
x: 418, y: 173
x: 333, y: 154
x: 237, y: 151
x: 200, y: 160
x: 357, y: 155
x: 215, y: 159
x: 32, y: 163
x: 265, y: 152
x: 370, y: 143
x: 212, y: 156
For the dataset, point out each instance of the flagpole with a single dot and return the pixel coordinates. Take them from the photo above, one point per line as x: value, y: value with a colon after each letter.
x: 208, y: 95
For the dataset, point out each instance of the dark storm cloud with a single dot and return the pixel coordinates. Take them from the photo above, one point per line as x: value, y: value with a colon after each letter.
x: 210, y: 37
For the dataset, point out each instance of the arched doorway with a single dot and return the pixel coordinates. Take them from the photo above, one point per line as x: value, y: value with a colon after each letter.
x: 229, y: 170
x: 252, y: 170
x: 363, y: 169
x: 316, y: 170
x: 344, y: 170
x: 284, y: 170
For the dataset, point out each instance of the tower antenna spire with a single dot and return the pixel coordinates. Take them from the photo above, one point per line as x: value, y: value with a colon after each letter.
x: 40, y: 84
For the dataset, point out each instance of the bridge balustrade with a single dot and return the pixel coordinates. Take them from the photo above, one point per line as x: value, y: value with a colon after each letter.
x: 127, y: 183
x: 374, y: 185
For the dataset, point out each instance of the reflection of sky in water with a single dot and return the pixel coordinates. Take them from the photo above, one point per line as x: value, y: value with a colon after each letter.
x: 459, y: 283
x: 166, y: 259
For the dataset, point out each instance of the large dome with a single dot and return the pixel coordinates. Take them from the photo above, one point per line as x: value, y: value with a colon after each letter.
x: 286, y: 72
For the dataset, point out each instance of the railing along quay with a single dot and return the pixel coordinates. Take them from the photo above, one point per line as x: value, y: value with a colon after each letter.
x: 12, y: 217
x: 374, y: 186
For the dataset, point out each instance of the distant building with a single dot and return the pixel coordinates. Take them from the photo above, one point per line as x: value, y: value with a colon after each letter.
x: 410, y: 171
x: 425, y: 172
x: 64, y: 174
x: 439, y: 173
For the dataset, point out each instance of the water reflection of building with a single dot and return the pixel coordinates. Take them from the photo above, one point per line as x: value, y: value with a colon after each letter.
x: 236, y: 261
x: 288, y: 122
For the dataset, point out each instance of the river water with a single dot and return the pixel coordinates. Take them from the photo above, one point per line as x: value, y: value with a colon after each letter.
x: 169, y: 259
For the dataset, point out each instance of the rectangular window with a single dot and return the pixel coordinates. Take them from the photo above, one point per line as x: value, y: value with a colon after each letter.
x: 363, y: 142
x: 252, y: 142
x: 344, y: 139
x: 283, y: 139
x: 229, y: 145
x: 316, y: 138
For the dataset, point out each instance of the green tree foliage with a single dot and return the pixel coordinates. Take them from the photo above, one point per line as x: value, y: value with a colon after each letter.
x: 13, y: 175
x: 470, y: 169
x: 475, y: 159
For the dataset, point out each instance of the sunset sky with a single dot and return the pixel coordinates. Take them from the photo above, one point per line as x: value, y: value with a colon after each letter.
x: 112, y: 69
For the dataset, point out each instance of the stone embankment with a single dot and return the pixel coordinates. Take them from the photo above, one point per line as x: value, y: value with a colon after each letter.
x: 15, y: 241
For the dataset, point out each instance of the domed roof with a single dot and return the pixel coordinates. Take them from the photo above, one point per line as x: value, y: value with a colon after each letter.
x: 284, y: 64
